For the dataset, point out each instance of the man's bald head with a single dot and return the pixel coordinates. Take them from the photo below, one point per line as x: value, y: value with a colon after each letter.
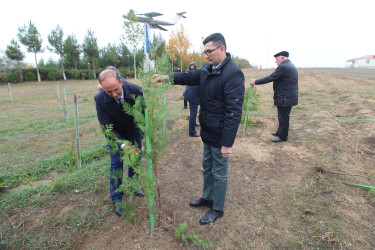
x: 108, y: 73
x: 111, y: 83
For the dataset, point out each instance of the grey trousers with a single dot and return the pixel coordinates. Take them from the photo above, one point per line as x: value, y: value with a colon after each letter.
x: 215, y: 176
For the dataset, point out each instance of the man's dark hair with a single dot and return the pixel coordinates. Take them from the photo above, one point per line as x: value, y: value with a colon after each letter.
x: 217, y: 39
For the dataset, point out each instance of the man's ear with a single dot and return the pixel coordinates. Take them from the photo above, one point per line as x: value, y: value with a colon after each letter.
x: 122, y: 84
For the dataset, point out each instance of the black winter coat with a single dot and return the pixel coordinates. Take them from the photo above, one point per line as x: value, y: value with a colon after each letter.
x: 221, y: 93
x: 285, y: 84
x: 110, y: 112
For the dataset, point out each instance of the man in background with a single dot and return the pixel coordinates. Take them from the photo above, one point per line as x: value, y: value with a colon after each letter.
x: 285, y: 87
x: 192, y: 95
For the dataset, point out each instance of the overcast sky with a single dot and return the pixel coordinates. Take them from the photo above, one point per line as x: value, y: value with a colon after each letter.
x: 317, y: 33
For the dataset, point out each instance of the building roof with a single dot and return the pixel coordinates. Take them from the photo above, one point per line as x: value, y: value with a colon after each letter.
x: 363, y: 57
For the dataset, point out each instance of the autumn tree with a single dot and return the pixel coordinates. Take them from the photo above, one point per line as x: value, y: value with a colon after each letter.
x: 90, y: 48
x: 198, y: 58
x: 72, y: 49
x: 30, y: 37
x: 55, y: 38
x: 171, y: 48
x: 183, y: 44
x: 134, y: 35
x: 14, y: 52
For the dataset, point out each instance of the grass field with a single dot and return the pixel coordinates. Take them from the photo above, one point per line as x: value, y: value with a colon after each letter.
x: 275, y: 198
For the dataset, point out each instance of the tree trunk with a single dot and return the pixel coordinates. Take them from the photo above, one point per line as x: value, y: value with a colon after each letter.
x: 93, y: 66
x: 62, y: 66
x: 181, y: 63
x: 20, y: 71
x: 37, y: 69
x: 135, y: 67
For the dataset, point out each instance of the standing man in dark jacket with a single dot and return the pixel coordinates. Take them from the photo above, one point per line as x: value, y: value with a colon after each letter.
x: 115, y: 91
x: 285, y: 87
x: 222, y: 87
x: 192, y: 95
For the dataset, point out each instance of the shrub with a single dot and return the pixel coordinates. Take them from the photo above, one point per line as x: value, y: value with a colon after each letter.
x: 91, y: 75
x: 52, y: 75
x: 83, y: 75
x: 13, y: 78
x: 75, y: 74
x: 3, y: 78
x: 30, y: 76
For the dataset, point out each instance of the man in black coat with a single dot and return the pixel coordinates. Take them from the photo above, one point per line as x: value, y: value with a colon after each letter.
x: 116, y: 90
x: 192, y: 95
x: 222, y: 87
x: 285, y: 87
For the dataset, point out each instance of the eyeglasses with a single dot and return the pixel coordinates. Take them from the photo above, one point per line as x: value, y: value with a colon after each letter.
x: 209, y: 51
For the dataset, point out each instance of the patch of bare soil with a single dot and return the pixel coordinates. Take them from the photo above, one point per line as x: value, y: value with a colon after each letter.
x: 275, y: 199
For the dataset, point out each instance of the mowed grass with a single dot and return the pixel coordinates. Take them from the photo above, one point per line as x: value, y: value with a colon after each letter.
x: 38, y: 161
x: 35, y: 128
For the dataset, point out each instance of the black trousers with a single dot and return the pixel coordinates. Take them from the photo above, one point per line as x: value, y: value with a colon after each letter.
x: 283, y: 115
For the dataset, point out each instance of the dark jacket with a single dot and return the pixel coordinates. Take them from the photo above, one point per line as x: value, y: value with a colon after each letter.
x: 221, y: 93
x: 192, y: 93
x: 285, y: 84
x: 111, y: 112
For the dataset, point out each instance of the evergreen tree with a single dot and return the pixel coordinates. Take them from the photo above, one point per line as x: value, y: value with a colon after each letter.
x: 30, y: 37
x: 57, y: 43
x: 15, y: 53
x: 90, y: 48
x: 72, y: 50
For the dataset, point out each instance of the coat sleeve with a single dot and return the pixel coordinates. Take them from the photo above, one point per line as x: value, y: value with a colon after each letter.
x: 278, y: 73
x: 192, y: 77
x: 234, y: 91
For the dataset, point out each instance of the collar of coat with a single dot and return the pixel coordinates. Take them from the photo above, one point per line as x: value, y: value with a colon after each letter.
x: 218, y: 69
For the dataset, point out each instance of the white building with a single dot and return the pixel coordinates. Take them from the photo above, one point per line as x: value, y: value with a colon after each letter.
x: 362, y: 62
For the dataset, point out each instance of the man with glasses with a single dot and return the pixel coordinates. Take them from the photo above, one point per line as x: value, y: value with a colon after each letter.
x: 222, y: 87
x: 285, y: 87
x: 114, y: 91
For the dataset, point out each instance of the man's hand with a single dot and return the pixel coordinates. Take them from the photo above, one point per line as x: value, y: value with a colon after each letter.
x: 252, y: 81
x: 226, y: 151
x: 159, y: 78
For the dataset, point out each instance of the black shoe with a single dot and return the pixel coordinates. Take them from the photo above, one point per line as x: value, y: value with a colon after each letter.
x: 195, y: 135
x: 201, y: 202
x: 274, y: 133
x: 278, y: 139
x: 211, y: 216
x: 118, y: 208
x: 185, y: 108
x: 197, y: 124
x: 139, y: 193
